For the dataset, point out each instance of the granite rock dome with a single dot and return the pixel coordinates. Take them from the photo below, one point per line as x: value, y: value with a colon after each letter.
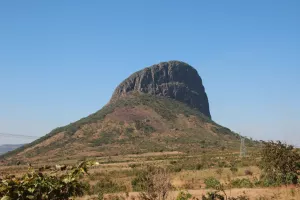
x: 173, y: 79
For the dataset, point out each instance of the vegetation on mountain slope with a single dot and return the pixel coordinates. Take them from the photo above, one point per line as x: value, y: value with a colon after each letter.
x: 134, y: 124
x: 160, y: 108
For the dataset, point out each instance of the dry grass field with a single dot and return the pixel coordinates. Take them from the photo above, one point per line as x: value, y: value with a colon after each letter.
x: 188, y: 172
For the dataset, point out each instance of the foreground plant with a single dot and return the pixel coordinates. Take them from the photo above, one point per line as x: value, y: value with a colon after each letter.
x: 183, y: 195
x: 154, y: 183
x: 279, y: 163
x: 42, y: 186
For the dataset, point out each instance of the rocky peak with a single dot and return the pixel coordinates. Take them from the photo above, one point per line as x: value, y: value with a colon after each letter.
x: 173, y: 79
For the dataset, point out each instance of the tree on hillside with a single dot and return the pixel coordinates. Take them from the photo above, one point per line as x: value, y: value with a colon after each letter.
x: 279, y: 162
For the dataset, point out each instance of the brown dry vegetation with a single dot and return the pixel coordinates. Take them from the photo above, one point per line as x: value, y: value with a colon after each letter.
x: 133, y: 125
x: 123, y: 169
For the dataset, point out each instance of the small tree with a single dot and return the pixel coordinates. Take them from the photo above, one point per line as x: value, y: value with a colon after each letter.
x: 279, y: 162
x: 155, y: 183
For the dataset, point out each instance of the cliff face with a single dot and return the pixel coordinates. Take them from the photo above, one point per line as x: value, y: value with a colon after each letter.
x: 173, y: 79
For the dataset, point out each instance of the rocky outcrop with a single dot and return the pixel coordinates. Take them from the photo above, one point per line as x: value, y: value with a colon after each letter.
x: 173, y: 79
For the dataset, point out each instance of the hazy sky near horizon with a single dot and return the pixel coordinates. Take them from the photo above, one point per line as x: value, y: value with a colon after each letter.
x: 60, y: 60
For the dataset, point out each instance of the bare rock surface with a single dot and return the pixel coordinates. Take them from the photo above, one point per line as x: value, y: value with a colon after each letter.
x: 173, y: 79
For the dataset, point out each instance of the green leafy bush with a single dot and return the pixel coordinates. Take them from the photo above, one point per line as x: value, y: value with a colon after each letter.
x: 211, y: 182
x: 278, y: 179
x: 241, y: 183
x: 279, y: 163
x: 183, y: 196
x: 36, y: 185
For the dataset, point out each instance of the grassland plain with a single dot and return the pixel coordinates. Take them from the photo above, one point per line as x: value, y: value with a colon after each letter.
x: 115, y: 176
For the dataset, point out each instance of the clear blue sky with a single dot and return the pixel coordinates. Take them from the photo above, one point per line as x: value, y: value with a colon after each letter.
x: 61, y: 60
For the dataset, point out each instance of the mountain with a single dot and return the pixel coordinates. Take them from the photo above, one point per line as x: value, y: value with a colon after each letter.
x: 173, y: 79
x: 9, y: 147
x: 160, y: 108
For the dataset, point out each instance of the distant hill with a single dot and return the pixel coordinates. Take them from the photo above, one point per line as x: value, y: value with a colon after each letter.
x: 161, y: 108
x: 9, y: 147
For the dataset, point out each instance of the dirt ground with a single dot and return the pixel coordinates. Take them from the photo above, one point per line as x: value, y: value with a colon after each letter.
x: 284, y: 193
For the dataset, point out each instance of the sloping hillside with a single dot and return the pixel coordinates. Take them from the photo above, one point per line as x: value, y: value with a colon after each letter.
x: 134, y: 124
x: 163, y: 107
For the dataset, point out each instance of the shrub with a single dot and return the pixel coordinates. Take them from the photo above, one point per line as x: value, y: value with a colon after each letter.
x: 279, y: 179
x: 211, y: 182
x: 267, y: 182
x: 241, y: 183
x: 213, y: 196
x: 36, y: 185
x: 173, y: 162
x: 175, y: 168
x: 107, y: 185
x: 138, y: 183
x: 134, y: 165
x: 199, y: 166
x: 279, y: 163
x: 156, y: 184
x: 183, y: 196
x: 233, y: 170
x: 217, y: 196
x: 257, y: 182
x: 222, y: 164
x: 142, y: 126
